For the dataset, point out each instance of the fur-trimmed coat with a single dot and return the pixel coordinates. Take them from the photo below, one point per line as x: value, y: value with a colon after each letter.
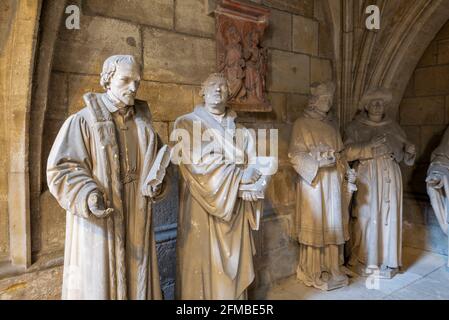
x: 85, y: 157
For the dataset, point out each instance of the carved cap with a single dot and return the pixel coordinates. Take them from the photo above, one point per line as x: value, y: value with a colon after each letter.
x: 375, y: 94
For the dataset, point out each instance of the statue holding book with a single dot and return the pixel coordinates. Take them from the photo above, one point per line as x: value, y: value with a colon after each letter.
x: 223, y: 183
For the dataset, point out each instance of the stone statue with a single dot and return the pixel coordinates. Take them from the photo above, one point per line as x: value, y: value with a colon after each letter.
x: 256, y: 68
x: 438, y: 183
x: 324, y: 188
x: 214, y: 245
x: 376, y: 145
x: 95, y: 170
x: 233, y: 63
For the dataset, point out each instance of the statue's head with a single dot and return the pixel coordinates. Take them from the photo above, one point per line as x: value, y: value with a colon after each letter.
x: 121, y: 77
x: 232, y: 35
x: 322, y: 96
x: 215, y: 92
x: 253, y: 38
x: 374, y: 102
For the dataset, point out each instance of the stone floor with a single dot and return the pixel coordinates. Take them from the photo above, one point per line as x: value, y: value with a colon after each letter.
x: 424, y: 277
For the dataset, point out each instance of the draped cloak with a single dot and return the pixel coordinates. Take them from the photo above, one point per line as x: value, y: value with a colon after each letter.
x: 214, y: 245
x: 439, y: 196
x: 376, y: 223
x: 85, y: 157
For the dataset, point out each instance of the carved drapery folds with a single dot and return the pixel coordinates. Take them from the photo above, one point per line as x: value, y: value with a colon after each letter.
x: 240, y: 56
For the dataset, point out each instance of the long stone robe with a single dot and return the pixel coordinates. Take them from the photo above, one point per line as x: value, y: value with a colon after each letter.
x: 376, y: 222
x: 321, y: 210
x: 214, y: 245
x: 439, y: 196
x: 115, y: 257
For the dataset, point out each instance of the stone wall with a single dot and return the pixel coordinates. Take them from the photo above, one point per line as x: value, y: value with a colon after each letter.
x: 7, y: 14
x: 174, y: 40
x: 424, y: 115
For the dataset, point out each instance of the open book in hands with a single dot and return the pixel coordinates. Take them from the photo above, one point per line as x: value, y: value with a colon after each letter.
x: 157, y: 172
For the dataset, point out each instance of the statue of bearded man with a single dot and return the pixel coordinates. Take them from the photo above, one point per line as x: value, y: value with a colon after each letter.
x: 96, y: 171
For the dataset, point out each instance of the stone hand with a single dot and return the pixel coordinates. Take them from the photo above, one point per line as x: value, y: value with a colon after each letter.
x: 96, y: 205
x: 156, y: 190
x: 250, y: 175
x: 410, y: 148
x: 378, y: 141
x: 434, y: 180
x: 249, y: 196
x: 327, y: 162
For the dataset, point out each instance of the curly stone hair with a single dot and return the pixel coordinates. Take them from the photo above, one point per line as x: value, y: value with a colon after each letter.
x: 110, y: 65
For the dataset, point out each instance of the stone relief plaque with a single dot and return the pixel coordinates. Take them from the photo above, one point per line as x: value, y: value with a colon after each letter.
x: 240, y: 56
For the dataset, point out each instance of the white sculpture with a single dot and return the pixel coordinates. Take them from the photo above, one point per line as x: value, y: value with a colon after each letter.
x: 323, y: 192
x: 438, y: 182
x: 215, y: 246
x: 376, y: 145
x: 96, y: 170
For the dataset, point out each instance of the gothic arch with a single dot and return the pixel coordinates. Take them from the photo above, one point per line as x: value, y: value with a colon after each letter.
x: 386, y: 57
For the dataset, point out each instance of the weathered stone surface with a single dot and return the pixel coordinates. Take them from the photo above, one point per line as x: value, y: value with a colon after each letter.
x: 197, y: 98
x: 289, y: 72
x: 269, y: 269
x: 414, y: 211
x: 278, y: 102
x: 52, y: 223
x: 57, y: 99
x: 167, y: 267
x: 443, y: 33
x: 413, y: 178
x: 325, y: 42
x: 4, y: 231
x: 281, y: 191
x: 165, y: 212
x: 40, y: 285
x: 410, y: 90
x: 432, y: 81
x: 161, y: 129
x: 430, y: 56
x: 303, y: 7
x: 305, y: 35
x: 191, y: 17
x: 279, y: 32
x: 320, y: 70
x: 167, y: 101
x: 79, y: 85
x: 172, y: 57
x: 430, y: 139
x: 158, y: 13
x: 275, y: 232
x: 84, y: 50
x: 296, y: 103
x: 422, y: 111
x: 443, y: 52
x: 284, y: 131
x: 430, y: 238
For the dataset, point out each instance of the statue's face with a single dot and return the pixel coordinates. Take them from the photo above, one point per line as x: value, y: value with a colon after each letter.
x: 376, y: 109
x: 324, y: 103
x: 233, y: 36
x: 216, y: 95
x: 125, y: 82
